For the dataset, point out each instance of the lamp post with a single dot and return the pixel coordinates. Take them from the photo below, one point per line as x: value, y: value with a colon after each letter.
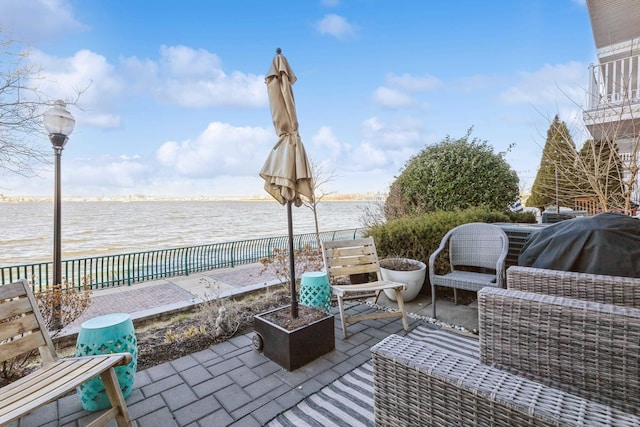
x: 59, y: 124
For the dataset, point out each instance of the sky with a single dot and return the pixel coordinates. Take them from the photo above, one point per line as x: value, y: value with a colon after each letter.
x: 173, y: 101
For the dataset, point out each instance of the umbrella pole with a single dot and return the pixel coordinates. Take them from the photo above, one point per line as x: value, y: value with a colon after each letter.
x: 292, y: 265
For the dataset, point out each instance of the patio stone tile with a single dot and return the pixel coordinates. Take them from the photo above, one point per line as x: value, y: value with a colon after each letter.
x: 241, y: 341
x: 196, y: 411
x: 212, y: 385
x: 251, y: 406
x: 141, y: 379
x: 294, y: 378
x: 224, y: 348
x: 318, y: 366
x: 232, y: 397
x: 252, y: 358
x: 238, y: 352
x: 135, y: 396
x: 327, y: 377
x: 195, y: 375
x: 310, y: 387
x: 146, y: 406
x: 204, y: 355
x: 246, y: 421
x: 335, y: 357
x: 161, y: 417
x: 69, y: 404
x: 184, y: 363
x: 46, y: 415
x: 243, y: 376
x: 267, y: 368
x: 161, y: 371
x: 218, y: 418
x: 289, y: 399
x: 179, y: 396
x: 358, y: 349
x: 264, y: 386
x: 157, y: 387
x: 224, y: 366
x: 267, y: 412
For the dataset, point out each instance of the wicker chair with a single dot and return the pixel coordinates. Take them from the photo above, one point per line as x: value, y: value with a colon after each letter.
x: 473, y: 246
x: 343, y: 258
x: 545, y: 361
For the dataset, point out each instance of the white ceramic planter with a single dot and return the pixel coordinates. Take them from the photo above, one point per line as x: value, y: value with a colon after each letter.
x: 413, y: 279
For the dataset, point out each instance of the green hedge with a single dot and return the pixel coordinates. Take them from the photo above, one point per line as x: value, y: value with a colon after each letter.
x: 417, y: 237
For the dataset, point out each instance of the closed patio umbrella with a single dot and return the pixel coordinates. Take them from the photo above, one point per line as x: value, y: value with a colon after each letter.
x: 286, y: 172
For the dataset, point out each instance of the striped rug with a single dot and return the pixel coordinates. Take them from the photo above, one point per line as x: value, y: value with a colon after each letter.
x: 348, y: 401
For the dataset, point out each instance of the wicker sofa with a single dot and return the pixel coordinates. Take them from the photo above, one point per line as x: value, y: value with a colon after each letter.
x: 545, y: 361
x: 590, y: 287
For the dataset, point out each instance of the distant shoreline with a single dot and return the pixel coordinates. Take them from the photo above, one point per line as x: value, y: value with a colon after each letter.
x: 367, y: 197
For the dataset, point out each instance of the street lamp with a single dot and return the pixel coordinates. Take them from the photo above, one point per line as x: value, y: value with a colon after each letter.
x: 59, y: 123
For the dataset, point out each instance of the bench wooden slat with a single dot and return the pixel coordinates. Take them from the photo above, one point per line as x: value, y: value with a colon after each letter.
x: 12, y: 290
x: 19, y: 326
x: 14, y: 307
x: 20, y: 346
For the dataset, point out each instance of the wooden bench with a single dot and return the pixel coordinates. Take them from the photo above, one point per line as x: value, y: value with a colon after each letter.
x: 23, y: 330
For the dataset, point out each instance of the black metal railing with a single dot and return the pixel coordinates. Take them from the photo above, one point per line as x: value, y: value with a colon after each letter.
x: 126, y: 269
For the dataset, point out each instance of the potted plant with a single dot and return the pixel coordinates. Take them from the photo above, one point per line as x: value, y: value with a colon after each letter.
x: 404, y: 270
x: 293, y: 341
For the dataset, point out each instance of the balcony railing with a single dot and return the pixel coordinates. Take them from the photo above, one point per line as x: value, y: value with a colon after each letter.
x: 614, y: 82
x: 127, y: 269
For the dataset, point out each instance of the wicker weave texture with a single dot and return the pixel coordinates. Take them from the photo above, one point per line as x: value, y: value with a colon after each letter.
x: 589, y: 348
x: 590, y: 287
x: 416, y: 384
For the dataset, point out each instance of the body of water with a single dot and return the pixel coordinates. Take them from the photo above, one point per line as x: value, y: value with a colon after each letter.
x: 103, y: 228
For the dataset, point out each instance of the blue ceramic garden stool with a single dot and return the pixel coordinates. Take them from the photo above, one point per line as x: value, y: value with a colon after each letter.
x: 315, y: 290
x: 111, y: 333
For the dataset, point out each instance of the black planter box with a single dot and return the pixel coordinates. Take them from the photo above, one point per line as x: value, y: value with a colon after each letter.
x: 296, y: 348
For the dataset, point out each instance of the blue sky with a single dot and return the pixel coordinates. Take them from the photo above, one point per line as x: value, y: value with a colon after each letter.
x: 175, y: 101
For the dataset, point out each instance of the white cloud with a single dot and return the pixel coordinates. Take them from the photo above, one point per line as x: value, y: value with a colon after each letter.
x: 222, y: 149
x: 327, y: 141
x: 336, y: 26
x: 550, y: 85
x: 409, y: 83
x: 194, y: 78
x: 391, y: 98
x: 86, y: 74
x: 38, y: 20
x: 399, y: 89
x: 385, y: 145
x: 84, y: 175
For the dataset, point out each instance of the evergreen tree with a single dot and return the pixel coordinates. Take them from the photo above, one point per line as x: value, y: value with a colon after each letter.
x: 557, y: 173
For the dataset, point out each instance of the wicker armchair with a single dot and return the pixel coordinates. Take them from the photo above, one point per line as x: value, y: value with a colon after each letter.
x: 616, y: 290
x: 473, y: 248
x: 544, y: 361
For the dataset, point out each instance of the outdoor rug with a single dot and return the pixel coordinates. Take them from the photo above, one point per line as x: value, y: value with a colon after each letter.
x: 348, y: 401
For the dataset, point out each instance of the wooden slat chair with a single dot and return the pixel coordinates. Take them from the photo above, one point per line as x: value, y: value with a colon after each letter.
x: 358, y: 256
x: 23, y: 330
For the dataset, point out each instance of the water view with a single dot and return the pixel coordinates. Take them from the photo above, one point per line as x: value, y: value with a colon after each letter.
x: 102, y: 228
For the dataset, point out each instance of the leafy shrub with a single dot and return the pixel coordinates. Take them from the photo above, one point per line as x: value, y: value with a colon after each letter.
x: 522, y: 217
x: 418, y: 236
x: 451, y: 175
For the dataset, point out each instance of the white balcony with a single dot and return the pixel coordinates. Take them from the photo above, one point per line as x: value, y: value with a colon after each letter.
x: 613, y: 109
